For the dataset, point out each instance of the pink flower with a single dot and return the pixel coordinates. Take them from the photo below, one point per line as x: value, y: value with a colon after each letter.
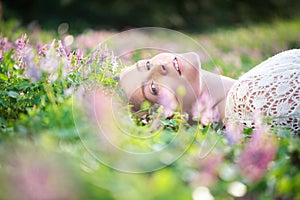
x: 4, y: 44
x: 209, y: 167
x: 21, y: 43
x: 79, y: 55
x: 62, y: 50
x: 34, y: 176
x: 1, y: 56
x: 204, y: 110
x: 97, y: 56
x: 55, y: 61
x: 19, y: 55
x: 41, y: 49
x: 234, y: 133
x: 258, y: 154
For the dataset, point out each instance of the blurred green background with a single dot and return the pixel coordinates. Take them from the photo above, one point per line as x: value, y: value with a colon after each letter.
x: 194, y: 15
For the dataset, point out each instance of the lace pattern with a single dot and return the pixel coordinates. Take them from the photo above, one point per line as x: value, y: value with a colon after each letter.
x: 272, y: 89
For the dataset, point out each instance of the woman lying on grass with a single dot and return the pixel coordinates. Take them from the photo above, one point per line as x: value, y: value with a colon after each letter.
x: 271, y: 89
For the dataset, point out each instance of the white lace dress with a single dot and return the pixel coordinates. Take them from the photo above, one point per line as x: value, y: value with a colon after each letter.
x: 271, y: 89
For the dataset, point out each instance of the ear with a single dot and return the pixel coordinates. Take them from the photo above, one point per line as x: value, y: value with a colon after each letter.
x: 192, y: 58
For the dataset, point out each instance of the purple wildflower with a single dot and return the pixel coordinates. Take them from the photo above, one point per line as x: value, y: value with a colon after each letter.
x: 62, y: 51
x: 32, y: 71
x: 4, y: 44
x: 50, y: 62
x: 67, y: 43
x: 1, y: 56
x: 21, y: 43
x: 19, y: 55
x: 95, y: 57
x: 234, y: 133
x: 90, y: 59
x: 55, y: 61
x: 102, y: 55
x: 79, y: 58
x: 41, y: 49
x: 79, y: 55
x: 209, y: 167
x: 114, y: 63
x: 258, y: 154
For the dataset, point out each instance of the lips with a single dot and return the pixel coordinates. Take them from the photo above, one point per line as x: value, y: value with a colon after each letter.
x: 177, y: 66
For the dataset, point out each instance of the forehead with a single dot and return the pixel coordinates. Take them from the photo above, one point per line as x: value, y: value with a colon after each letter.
x: 159, y: 59
x: 163, y: 56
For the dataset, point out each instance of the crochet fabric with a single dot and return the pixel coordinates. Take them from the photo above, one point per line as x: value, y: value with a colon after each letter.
x: 271, y: 89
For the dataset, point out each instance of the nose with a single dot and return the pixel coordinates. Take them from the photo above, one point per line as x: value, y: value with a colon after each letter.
x: 117, y: 77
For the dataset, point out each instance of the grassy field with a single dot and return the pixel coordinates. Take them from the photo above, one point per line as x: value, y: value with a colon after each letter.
x: 58, y: 121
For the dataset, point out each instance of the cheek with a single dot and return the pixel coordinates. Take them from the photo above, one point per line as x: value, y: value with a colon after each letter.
x: 168, y: 100
x: 181, y: 95
x: 136, y: 99
x: 150, y: 97
x: 130, y: 79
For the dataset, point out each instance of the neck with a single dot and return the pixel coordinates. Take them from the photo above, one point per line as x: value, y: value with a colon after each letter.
x: 215, y: 88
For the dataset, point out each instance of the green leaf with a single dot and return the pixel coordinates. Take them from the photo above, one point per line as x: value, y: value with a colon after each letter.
x: 13, y: 94
x: 3, y: 77
x: 3, y: 103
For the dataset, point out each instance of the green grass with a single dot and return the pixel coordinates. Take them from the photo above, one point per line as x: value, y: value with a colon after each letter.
x: 50, y: 137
